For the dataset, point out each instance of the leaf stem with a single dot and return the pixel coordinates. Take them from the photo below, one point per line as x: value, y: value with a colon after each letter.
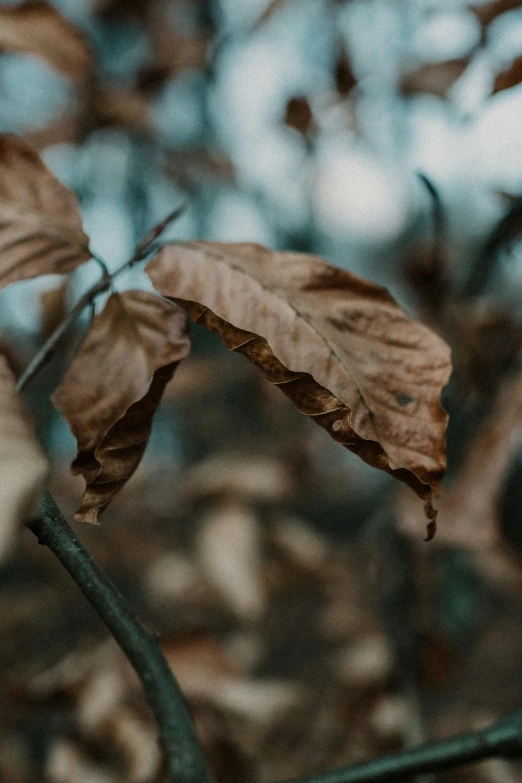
x: 184, y: 757
x: 140, y: 252
x: 50, y: 344
x: 503, y: 738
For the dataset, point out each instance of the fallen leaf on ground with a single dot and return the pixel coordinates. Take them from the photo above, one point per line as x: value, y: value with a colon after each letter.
x: 35, y: 27
x: 242, y: 476
x: 230, y: 551
x: 200, y: 664
x: 113, y: 387
x: 23, y: 466
x: 337, y: 345
x: 40, y: 224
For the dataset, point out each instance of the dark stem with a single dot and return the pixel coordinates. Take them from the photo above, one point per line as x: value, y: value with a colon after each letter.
x: 185, y: 760
x: 503, y: 738
x: 50, y: 344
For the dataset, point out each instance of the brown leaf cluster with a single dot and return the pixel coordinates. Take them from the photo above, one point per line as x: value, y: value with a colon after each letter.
x: 113, y: 387
x: 40, y: 224
x: 338, y: 346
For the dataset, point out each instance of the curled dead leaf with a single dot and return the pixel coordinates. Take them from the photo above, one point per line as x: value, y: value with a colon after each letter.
x: 40, y: 224
x: 23, y: 466
x: 337, y: 345
x: 113, y: 387
x: 36, y: 27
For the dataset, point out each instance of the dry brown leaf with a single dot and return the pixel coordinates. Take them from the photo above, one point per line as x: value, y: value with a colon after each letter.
x: 434, y: 78
x: 40, y: 225
x: 468, y: 512
x: 338, y: 346
x: 303, y: 546
x: 510, y: 77
x: 230, y: 550
x: 23, y: 466
x: 113, y: 387
x: 35, y: 27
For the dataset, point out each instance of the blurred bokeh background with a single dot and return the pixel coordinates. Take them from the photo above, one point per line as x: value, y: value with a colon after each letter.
x: 307, y: 620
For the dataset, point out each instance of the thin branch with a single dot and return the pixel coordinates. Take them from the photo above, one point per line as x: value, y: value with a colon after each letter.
x: 503, y: 738
x: 50, y: 344
x: 144, y: 245
x: 185, y: 760
x: 140, y: 252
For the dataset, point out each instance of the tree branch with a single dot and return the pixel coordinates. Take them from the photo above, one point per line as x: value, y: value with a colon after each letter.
x: 185, y: 760
x: 503, y: 738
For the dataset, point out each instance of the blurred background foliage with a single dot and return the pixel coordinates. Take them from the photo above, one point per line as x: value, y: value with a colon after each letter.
x: 295, y: 598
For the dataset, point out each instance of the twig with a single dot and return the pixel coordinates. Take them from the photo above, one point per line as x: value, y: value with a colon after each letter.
x: 50, y: 344
x: 185, y: 760
x: 145, y: 243
x: 503, y: 738
x: 141, y: 250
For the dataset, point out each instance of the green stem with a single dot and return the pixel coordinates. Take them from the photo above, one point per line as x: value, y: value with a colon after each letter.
x: 185, y: 760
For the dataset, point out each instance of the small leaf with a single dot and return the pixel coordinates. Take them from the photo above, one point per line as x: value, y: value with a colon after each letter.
x: 345, y: 79
x: 35, y: 27
x: 23, y: 466
x: 486, y: 13
x: 434, y: 78
x: 113, y: 387
x: 338, y: 346
x: 40, y: 224
x: 299, y: 115
x: 510, y: 77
